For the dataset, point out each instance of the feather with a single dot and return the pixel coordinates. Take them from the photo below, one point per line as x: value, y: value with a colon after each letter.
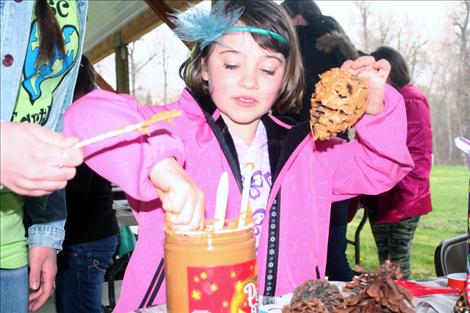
x: 202, y: 26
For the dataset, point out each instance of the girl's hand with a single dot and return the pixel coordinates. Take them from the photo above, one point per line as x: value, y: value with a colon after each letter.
x: 183, y: 201
x: 374, y: 74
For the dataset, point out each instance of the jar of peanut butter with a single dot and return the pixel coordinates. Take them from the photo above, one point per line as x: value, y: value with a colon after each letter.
x: 211, y: 271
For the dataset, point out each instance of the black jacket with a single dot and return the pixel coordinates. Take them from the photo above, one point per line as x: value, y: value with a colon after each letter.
x: 90, y: 213
x: 322, y: 48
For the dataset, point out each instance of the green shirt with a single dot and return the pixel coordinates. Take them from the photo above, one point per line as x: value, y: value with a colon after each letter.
x: 13, y: 248
x: 38, y: 83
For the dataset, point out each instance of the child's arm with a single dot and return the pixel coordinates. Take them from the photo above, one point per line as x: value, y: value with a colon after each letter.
x: 378, y: 158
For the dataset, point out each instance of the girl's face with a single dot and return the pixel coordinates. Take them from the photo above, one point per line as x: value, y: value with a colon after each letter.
x: 244, y: 80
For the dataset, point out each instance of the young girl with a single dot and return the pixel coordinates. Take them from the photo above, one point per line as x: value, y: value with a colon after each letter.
x: 235, y: 76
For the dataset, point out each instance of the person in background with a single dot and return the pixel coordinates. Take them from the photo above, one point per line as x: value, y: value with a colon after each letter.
x: 41, y: 44
x: 235, y: 76
x: 395, y: 214
x: 90, y: 230
x: 324, y: 45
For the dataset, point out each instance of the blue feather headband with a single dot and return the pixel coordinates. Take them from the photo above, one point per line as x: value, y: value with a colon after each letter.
x: 206, y: 27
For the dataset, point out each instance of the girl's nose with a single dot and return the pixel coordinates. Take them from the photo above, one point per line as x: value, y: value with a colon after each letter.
x: 248, y: 80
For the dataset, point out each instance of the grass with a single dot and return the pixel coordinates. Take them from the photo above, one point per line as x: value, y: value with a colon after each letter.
x: 449, y: 193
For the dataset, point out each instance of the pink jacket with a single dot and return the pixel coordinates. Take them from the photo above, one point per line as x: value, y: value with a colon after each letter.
x: 311, y: 176
x: 411, y: 197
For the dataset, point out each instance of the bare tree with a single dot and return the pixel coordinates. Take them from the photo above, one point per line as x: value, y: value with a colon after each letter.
x: 132, y: 66
x: 461, y: 24
x: 164, y: 63
x: 444, y: 63
x: 382, y: 29
x: 364, y: 9
x: 448, y: 90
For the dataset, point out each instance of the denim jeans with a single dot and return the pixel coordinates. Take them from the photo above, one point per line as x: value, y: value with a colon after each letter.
x: 80, y: 276
x: 14, y: 290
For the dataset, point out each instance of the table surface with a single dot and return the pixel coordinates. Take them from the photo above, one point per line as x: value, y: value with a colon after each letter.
x: 437, y: 303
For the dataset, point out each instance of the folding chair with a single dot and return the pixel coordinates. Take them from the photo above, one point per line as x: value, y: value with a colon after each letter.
x: 355, y: 205
x: 450, y: 255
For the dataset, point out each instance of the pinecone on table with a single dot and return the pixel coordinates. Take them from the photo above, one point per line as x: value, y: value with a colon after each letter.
x: 319, y: 294
x: 307, y: 306
x: 371, y: 293
x: 340, y: 99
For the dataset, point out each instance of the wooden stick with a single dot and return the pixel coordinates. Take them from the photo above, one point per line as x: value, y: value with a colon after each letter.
x: 168, y: 116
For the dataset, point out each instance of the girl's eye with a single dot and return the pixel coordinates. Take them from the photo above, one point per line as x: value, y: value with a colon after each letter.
x: 268, y: 72
x: 230, y: 66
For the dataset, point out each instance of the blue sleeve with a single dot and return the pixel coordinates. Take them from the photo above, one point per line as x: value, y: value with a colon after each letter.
x: 45, y: 220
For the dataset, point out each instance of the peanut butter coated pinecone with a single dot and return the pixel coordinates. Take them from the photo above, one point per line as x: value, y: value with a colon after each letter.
x: 315, y: 296
x: 307, y: 306
x: 371, y: 293
x: 340, y: 99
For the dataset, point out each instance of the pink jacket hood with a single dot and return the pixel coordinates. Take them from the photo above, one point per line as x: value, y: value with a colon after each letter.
x: 312, y: 175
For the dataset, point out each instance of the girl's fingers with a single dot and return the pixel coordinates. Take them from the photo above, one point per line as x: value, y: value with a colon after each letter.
x: 187, y: 209
x: 181, y: 218
x: 191, y: 215
x: 362, y: 61
x: 198, y: 216
x: 347, y: 65
x: 167, y: 203
x: 383, y: 67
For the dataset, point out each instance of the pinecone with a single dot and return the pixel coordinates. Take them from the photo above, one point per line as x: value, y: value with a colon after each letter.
x: 377, y: 293
x: 312, y: 305
x: 321, y: 290
x: 339, y: 101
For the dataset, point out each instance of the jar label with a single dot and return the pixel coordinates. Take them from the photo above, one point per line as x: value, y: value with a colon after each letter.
x: 224, y: 289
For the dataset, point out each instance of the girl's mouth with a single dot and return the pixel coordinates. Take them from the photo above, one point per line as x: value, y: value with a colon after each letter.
x: 245, y: 102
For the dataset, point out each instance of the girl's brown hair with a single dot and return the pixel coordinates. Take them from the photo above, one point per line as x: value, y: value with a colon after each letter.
x: 85, y: 79
x: 50, y: 34
x: 267, y: 15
